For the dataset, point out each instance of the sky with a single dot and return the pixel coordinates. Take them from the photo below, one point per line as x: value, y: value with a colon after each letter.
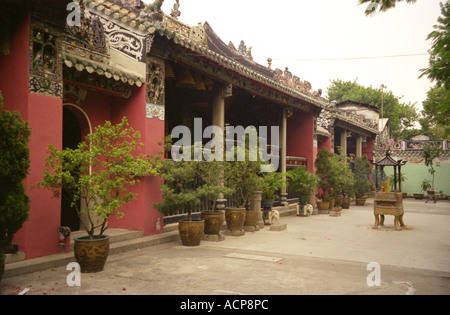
x: 324, y: 40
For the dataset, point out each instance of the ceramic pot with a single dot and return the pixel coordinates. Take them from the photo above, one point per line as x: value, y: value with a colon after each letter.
x: 91, y: 254
x: 191, y: 232
x: 214, y: 220
x: 346, y: 202
x: 235, y: 219
x: 251, y: 218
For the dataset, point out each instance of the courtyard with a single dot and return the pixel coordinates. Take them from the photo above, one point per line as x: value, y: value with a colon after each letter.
x: 318, y: 255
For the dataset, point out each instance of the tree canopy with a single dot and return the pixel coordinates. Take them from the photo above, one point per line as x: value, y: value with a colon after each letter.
x: 401, y: 115
x: 383, y: 5
x: 437, y: 105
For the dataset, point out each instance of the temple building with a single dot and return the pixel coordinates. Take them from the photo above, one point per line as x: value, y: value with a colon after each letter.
x: 129, y: 59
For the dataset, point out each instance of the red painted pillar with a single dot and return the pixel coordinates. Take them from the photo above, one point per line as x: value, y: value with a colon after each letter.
x: 300, y: 136
x: 139, y: 213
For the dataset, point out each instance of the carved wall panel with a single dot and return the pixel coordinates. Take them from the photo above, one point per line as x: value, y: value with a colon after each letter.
x: 45, y: 75
x: 155, y: 81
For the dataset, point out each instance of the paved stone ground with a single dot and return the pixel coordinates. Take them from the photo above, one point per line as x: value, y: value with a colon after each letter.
x: 316, y: 255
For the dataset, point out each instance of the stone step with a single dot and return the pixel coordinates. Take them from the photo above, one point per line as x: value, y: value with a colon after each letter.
x: 120, y: 241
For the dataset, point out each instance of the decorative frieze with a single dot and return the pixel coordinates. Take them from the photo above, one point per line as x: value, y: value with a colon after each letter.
x: 43, y: 86
x: 45, y: 68
x: 372, y: 124
x: 155, y: 111
x: 121, y: 39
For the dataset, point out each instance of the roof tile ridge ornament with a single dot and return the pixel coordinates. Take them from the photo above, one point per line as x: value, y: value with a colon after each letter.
x: 175, y: 13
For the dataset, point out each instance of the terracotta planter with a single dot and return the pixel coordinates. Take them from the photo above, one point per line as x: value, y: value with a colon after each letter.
x: 338, y: 201
x: 346, y: 202
x: 360, y: 201
x: 214, y: 220
x: 251, y: 218
x: 235, y: 219
x: 323, y: 205
x: 191, y: 232
x: 91, y: 254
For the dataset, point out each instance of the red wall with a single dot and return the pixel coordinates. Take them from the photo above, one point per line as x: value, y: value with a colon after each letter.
x: 368, y: 148
x: 38, y: 235
x: 139, y: 213
x: 300, y: 136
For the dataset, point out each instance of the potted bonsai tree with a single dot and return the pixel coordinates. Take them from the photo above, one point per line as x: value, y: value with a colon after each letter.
x: 271, y: 183
x: 339, y: 175
x: 14, y: 166
x: 348, y: 192
x: 363, y: 184
x: 424, y: 186
x: 302, y: 182
x: 430, y: 153
x: 322, y: 165
x: 243, y: 176
x: 98, y: 174
x: 212, y: 177
x: 180, y: 193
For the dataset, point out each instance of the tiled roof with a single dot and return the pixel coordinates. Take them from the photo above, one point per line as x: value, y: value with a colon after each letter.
x: 193, y: 39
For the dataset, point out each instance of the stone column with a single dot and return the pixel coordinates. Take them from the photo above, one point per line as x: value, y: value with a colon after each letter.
x: 343, y: 142
x: 358, y: 146
x: 283, y: 143
x: 218, y: 119
x: 218, y: 108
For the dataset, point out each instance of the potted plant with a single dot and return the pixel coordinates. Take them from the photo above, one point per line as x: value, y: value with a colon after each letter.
x: 302, y: 182
x: 271, y: 183
x: 348, y: 192
x: 14, y: 166
x: 362, y: 171
x: 243, y: 177
x: 97, y: 174
x: 424, y: 186
x: 430, y: 153
x: 339, y: 175
x: 180, y: 193
x: 322, y: 164
x: 212, y: 178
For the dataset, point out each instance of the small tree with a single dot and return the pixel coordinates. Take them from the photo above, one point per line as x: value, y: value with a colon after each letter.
x: 179, y: 190
x: 98, y: 173
x: 322, y: 165
x: 361, y: 174
x: 212, y: 177
x: 302, y: 182
x: 14, y: 166
x: 243, y: 175
x: 430, y: 153
x: 339, y: 174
